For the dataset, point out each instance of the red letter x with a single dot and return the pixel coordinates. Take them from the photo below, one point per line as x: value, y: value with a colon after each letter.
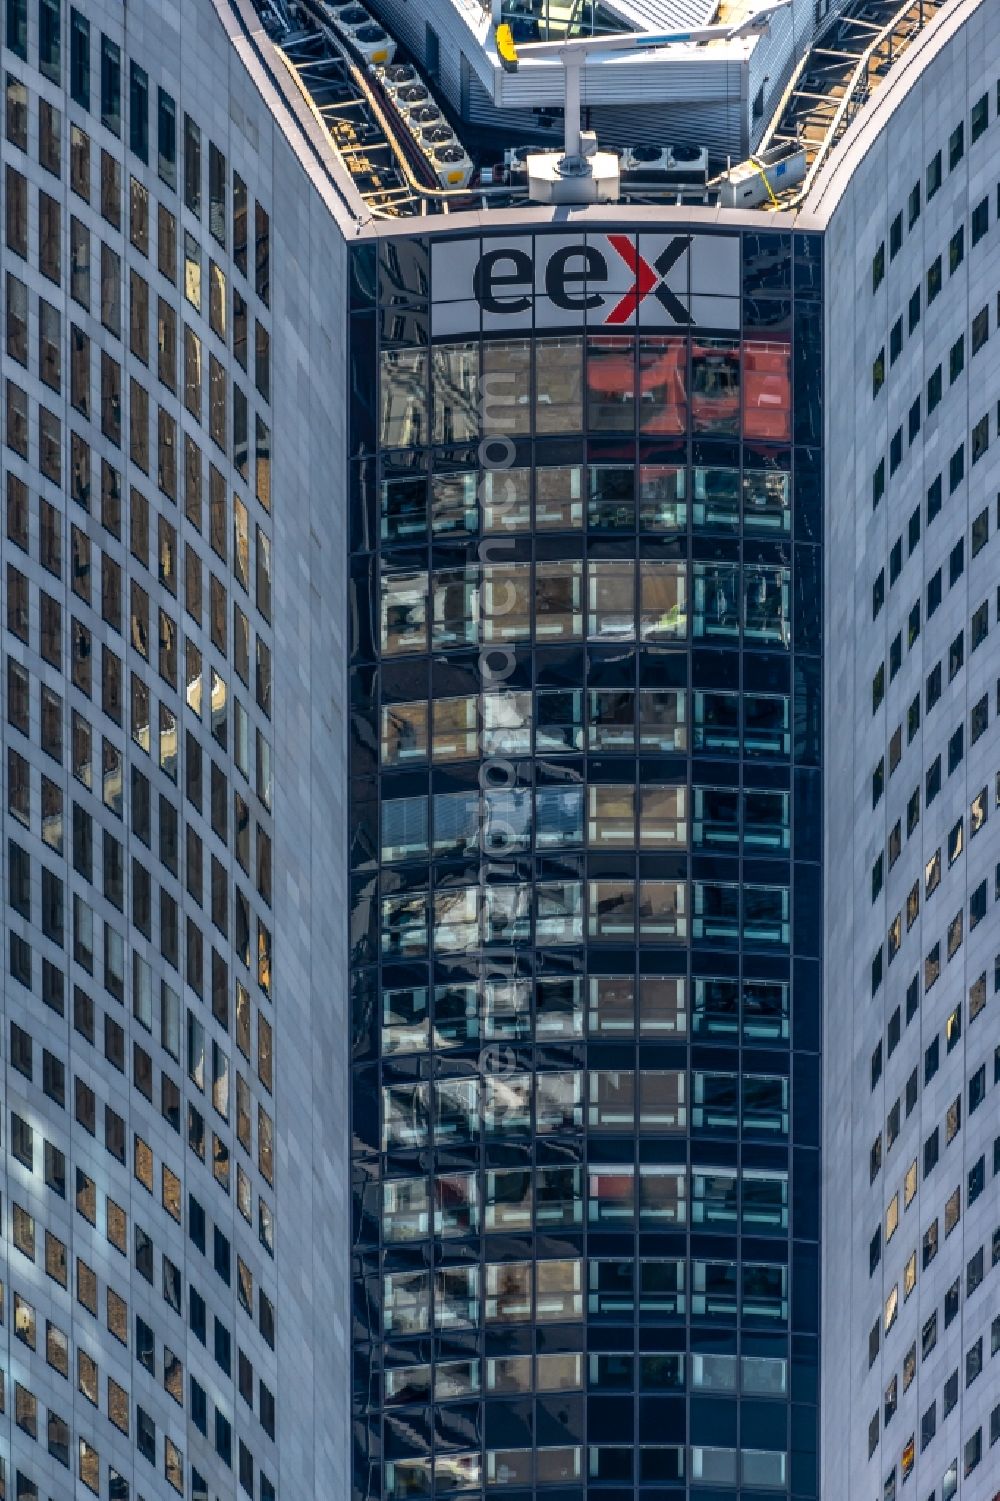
x: 645, y: 279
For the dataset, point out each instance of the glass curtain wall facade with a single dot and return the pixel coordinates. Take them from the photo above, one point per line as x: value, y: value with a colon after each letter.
x: 585, y: 922
x: 137, y: 1003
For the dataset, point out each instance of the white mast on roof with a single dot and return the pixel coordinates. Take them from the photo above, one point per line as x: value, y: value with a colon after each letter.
x: 582, y: 174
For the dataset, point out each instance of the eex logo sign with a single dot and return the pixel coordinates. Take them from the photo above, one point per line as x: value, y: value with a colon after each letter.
x: 611, y: 280
x: 574, y: 276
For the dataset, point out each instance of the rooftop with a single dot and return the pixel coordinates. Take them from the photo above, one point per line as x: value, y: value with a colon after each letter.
x: 408, y: 148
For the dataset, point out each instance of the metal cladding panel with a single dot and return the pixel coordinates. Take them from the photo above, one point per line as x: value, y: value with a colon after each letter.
x: 632, y: 81
x: 461, y: 31
x: 776, y: 52
x: 482, y: 111
x: 655, y: 15
x: 405, y: 23
x: 717, y: 125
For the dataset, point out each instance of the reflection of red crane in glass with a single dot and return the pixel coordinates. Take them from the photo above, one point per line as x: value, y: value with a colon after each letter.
x: 715, y: 387
x: 610, y: 1187
x: 715, y: 384
x: 663, y: 381
x: 767, y: 396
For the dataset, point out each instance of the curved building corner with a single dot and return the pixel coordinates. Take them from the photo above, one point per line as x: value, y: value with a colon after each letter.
x: 175, y: 1012
x: 910, y: 1035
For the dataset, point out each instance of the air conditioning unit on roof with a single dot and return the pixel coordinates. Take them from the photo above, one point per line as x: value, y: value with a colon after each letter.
x: 674, y: 166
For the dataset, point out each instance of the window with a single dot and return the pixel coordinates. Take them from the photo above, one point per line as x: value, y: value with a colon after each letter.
x: 111, y: 107
x: 952, y: 1215
x: 263, y: 255
x: 931, y: 1149
x: 875, y: 1158
x: 895, y: 236
x: 192, y: 166
x: 980, y: 329
x: 913, y: 625
x: 878, y: 267
x: 913, y: 421
x: 929, y: 1248
x: 217, y: 193
x: 928, y: 1336
x: 980, y: 531
x: 956, y: 359
x: 913, y: 309
x: 934, y: 389
x: 913, y: 718
x: 79, y: 59
x: 876, y: 1065
x: 49, y: 37
x: 935, y: 279
x: 956, y: 250
x: 928, y: 1426
x: 979, y: 719
x: 138, y: 111
x: 874, y: 1252
x: 979, y: 119
x: 166, y: 139
x: 980, y: 220
x: 913, y: 205
x: 980, y: 438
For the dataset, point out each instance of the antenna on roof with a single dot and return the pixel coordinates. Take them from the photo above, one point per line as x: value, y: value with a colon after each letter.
x: 582, y: 174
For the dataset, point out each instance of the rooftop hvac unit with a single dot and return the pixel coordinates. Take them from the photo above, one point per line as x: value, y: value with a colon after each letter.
x: 354, y: 23
x: 439, y: 134
x: 374, y: 44
x: 411, y: 95
x: 763, y: 177
x: 424, y: 116
x: 345, y: 12
x: 675, y: 166
x: 397, y: 76
x: 515, y: 159
x: 451, y: 165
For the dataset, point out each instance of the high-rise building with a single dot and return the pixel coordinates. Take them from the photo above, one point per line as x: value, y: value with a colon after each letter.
x: 462, y: 1035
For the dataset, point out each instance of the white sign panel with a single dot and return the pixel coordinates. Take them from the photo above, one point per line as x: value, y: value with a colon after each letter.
x: 611, y: 280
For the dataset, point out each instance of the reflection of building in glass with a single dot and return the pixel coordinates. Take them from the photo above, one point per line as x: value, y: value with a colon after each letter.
x: 578, y: 974
x: 498, y: 786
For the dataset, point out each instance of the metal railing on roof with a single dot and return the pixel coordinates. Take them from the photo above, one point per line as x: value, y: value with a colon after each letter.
x: 836, y: 77
x: 376, y: 151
